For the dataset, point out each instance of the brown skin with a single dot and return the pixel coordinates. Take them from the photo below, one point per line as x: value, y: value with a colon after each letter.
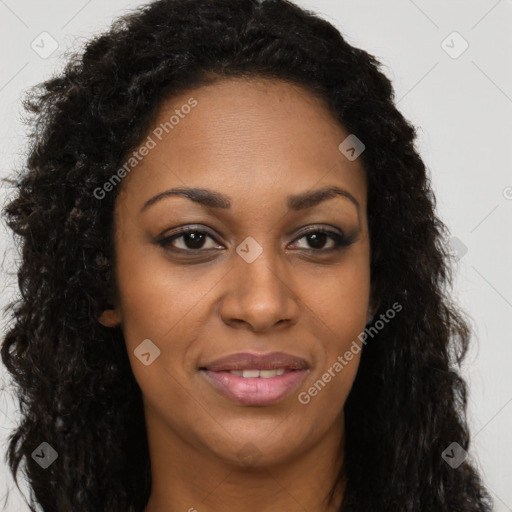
x: 256, y: 141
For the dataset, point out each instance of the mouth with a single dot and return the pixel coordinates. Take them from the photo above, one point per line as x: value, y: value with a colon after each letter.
x: 255, y: 379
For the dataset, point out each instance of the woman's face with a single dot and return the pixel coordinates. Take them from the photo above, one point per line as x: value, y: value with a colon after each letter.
x: 253, y: 276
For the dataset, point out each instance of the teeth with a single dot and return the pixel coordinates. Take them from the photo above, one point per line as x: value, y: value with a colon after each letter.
x: 252, y: 374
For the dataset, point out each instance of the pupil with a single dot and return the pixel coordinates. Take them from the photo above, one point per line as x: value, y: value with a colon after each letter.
x: 315, y: 238
x: 194, y: 240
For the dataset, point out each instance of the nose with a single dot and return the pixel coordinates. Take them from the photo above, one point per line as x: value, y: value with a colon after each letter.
x: 259, y: 295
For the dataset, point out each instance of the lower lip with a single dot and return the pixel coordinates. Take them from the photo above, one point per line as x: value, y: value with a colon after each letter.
x: 255, y: 391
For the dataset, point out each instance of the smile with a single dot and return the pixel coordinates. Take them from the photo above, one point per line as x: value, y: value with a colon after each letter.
x: 255, y: 387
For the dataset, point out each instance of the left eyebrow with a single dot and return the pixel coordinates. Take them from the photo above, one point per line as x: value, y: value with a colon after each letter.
x: 309, y: 199
x: 213, y: 199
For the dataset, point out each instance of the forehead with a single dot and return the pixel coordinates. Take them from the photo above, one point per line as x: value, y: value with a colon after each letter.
x: 251, y: 136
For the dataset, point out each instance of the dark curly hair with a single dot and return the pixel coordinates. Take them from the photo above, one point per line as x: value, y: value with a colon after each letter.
x: 73, y: 379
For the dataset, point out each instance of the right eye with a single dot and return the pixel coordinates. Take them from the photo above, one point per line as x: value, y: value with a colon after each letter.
x: 192, y: 239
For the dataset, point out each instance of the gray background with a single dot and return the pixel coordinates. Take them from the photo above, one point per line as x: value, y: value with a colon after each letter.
x: 462, y: 106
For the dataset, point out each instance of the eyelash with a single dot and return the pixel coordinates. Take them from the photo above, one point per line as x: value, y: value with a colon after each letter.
x: 341, y: 241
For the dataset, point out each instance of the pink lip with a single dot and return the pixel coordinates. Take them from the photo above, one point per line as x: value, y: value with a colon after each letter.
x: 250, y: 361
x: 255, y: 391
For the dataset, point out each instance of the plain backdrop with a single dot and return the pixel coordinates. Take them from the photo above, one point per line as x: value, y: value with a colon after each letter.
x: 450, y: 65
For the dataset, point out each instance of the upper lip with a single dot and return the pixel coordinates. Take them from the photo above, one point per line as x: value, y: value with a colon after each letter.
x: 253, y: 361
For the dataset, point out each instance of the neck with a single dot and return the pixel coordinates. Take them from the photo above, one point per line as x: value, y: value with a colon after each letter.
x: 186, y: 479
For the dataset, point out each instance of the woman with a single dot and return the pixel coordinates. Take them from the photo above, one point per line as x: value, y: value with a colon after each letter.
x: 233, y: 278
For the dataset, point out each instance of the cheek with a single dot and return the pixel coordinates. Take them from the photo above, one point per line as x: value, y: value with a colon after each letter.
x: 158, y: 304
x: 348, y: 313
x: 167, y: 305
x: 340, y: 325
x: 339, y: 305
x: 156, y: 297
x: 338, y: 298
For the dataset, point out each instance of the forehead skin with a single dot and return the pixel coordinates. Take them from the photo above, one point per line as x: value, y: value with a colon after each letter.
x: 243, y: 136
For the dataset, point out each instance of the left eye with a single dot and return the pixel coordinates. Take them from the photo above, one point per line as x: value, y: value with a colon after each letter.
x: 318, y: 237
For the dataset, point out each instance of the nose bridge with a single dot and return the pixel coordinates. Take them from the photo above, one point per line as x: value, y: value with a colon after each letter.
x: 262, y: 271
x: 259, y: 293
x: 259, y: 268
